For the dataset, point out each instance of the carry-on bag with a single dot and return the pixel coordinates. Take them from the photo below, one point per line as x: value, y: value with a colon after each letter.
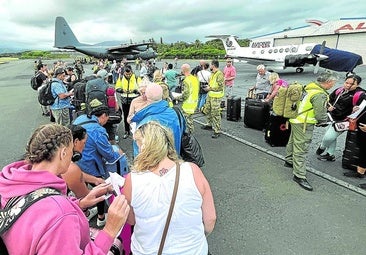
x: 233, y: 108
x: 277, y: 131
x: 256, y: 113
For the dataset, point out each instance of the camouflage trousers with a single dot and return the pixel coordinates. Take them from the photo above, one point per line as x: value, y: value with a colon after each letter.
x: 189, y: 121
x: 212, y: 111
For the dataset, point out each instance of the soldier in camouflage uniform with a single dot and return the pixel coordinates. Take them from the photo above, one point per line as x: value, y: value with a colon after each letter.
x: 212, y: 109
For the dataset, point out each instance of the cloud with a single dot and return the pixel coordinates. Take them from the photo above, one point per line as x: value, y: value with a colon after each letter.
x: 31, y: 23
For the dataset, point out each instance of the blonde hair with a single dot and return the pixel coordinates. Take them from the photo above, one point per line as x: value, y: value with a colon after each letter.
x: 45, y: 141
x: 158, y: 76
x: 156, y: 143
x: 273, y: 77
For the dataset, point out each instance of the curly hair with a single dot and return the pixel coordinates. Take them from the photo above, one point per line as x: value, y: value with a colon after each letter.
x: 157, y: 142
x: 45, y: 141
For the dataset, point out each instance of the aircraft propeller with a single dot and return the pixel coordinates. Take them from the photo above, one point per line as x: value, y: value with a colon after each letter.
x: 320, y: 57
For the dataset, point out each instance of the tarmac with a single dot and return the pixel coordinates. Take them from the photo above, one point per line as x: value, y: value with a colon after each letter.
x: 260, y: 210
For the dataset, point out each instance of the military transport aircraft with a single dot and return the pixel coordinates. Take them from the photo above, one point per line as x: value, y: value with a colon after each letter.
x: 295, y: 56
x: 65, y: 39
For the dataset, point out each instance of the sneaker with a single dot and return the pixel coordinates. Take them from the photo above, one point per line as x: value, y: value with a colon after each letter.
x: 206, y: 127
x: 90, y: 213
x: 215, y: 135
x: 101, y: 223
x: 354, y: 174
x: 327, y: 157
x: 362, y: 185
x: 289, y: 165
x: 126, y: 135
x: 319, y: 151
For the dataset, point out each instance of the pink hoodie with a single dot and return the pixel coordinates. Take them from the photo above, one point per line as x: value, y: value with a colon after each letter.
x: 53, y: 225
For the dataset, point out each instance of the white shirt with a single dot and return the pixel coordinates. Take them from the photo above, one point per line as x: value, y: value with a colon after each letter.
x: 151, y: 197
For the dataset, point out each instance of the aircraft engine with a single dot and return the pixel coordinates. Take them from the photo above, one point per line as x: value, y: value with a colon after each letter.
x: 300, y: 60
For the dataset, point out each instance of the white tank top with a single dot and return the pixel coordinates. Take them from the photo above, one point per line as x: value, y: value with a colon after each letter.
x: 151, y: 196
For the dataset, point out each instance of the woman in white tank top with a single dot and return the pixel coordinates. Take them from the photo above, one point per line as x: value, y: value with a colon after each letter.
x: 149, y: 188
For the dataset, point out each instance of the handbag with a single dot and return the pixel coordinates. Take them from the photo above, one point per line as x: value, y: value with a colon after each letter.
x: 172, y: 203
x: 349, y: 124
x: 190, y: 150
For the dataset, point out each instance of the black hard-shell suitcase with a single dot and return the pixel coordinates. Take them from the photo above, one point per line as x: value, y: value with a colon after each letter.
x: 351, y: 151
x: 256, y: 113
x: 277, y: 131
x: 233, y: 108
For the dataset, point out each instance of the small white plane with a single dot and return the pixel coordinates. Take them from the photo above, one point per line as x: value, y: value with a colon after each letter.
x: 295, y: 56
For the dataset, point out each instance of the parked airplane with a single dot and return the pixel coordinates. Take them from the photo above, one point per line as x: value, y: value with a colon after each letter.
x: 65, y: 39
x: 295, y: 56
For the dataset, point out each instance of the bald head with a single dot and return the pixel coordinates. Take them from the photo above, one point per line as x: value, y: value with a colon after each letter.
x: 186, y: 69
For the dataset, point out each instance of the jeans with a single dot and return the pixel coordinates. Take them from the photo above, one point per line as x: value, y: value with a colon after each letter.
x: 329, y: 141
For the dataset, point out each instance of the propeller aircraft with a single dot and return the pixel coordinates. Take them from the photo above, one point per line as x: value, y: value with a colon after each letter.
x: 65, y: 39
x: 293, y: 56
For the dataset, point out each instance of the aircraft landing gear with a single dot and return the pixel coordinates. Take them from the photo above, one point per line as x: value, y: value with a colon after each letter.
x: 299, y: 70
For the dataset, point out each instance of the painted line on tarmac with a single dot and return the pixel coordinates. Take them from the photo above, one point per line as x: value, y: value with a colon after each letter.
x: 310, y: 169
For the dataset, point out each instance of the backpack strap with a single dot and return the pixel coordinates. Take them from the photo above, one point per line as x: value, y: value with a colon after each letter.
x: 356, y: 97
x: 16, y: 206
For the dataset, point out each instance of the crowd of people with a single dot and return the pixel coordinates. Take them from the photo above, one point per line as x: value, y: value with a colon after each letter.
x: 71, y: 156
x: 318, y: 108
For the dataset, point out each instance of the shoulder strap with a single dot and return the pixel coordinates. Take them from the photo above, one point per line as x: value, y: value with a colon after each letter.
x: 356, y: 97
x: 174, y: 196
x: 16, y: 206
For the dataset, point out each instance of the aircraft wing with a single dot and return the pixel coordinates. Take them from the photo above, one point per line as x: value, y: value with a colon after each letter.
x: 338, y: 60
x: 132, y: 48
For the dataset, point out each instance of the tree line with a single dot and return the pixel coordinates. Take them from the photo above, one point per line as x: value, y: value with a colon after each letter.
x: 182, y: 50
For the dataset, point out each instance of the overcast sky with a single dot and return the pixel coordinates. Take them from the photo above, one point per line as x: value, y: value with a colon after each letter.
x: 30, y: 23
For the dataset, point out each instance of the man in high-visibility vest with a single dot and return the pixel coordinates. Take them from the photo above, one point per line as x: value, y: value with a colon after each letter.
x: 312, y: 111
x: 215, y: 93
x: 189, y: 97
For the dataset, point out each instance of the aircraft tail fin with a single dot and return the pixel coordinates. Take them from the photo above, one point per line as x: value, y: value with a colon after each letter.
x: 231, y: 45
x: 64, y: 37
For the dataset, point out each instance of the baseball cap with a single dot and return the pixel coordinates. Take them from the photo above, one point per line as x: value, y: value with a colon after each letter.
x: 59, y: 71
x: 102, y: 73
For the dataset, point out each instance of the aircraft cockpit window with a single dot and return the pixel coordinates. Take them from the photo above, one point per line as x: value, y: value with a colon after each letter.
x: 287, y: 50
x: 293, y: 49
x: 275, y: 50
x: 270, y: 51
x: 262, y: 51
x: 281, y: 50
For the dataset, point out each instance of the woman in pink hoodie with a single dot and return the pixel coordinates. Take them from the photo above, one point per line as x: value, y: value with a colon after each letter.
x: 55, y: 224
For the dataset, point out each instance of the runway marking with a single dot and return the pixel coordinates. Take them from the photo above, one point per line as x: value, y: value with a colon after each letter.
x: 279, y: 156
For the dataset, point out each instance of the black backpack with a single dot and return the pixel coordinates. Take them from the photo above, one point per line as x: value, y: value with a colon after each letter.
x: 35, y: 81
x: 93, y: 91
x: 79, y: 91
x: 45, y: 96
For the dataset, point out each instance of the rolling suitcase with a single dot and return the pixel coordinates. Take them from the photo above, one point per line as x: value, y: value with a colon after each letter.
x: 233, y: 108
x: 256, y: 113
x: 277, y: 131
x: 351, y: 151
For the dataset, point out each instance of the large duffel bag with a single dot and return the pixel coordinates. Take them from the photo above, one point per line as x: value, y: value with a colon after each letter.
x: 256, y: 113
x: 233, y: 108
x: 277, y: 131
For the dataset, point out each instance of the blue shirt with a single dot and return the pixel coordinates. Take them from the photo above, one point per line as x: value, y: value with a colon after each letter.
x: 97, y: 147
x: 165, y: 115
x: 171, y: 78
x: 58, y: 87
